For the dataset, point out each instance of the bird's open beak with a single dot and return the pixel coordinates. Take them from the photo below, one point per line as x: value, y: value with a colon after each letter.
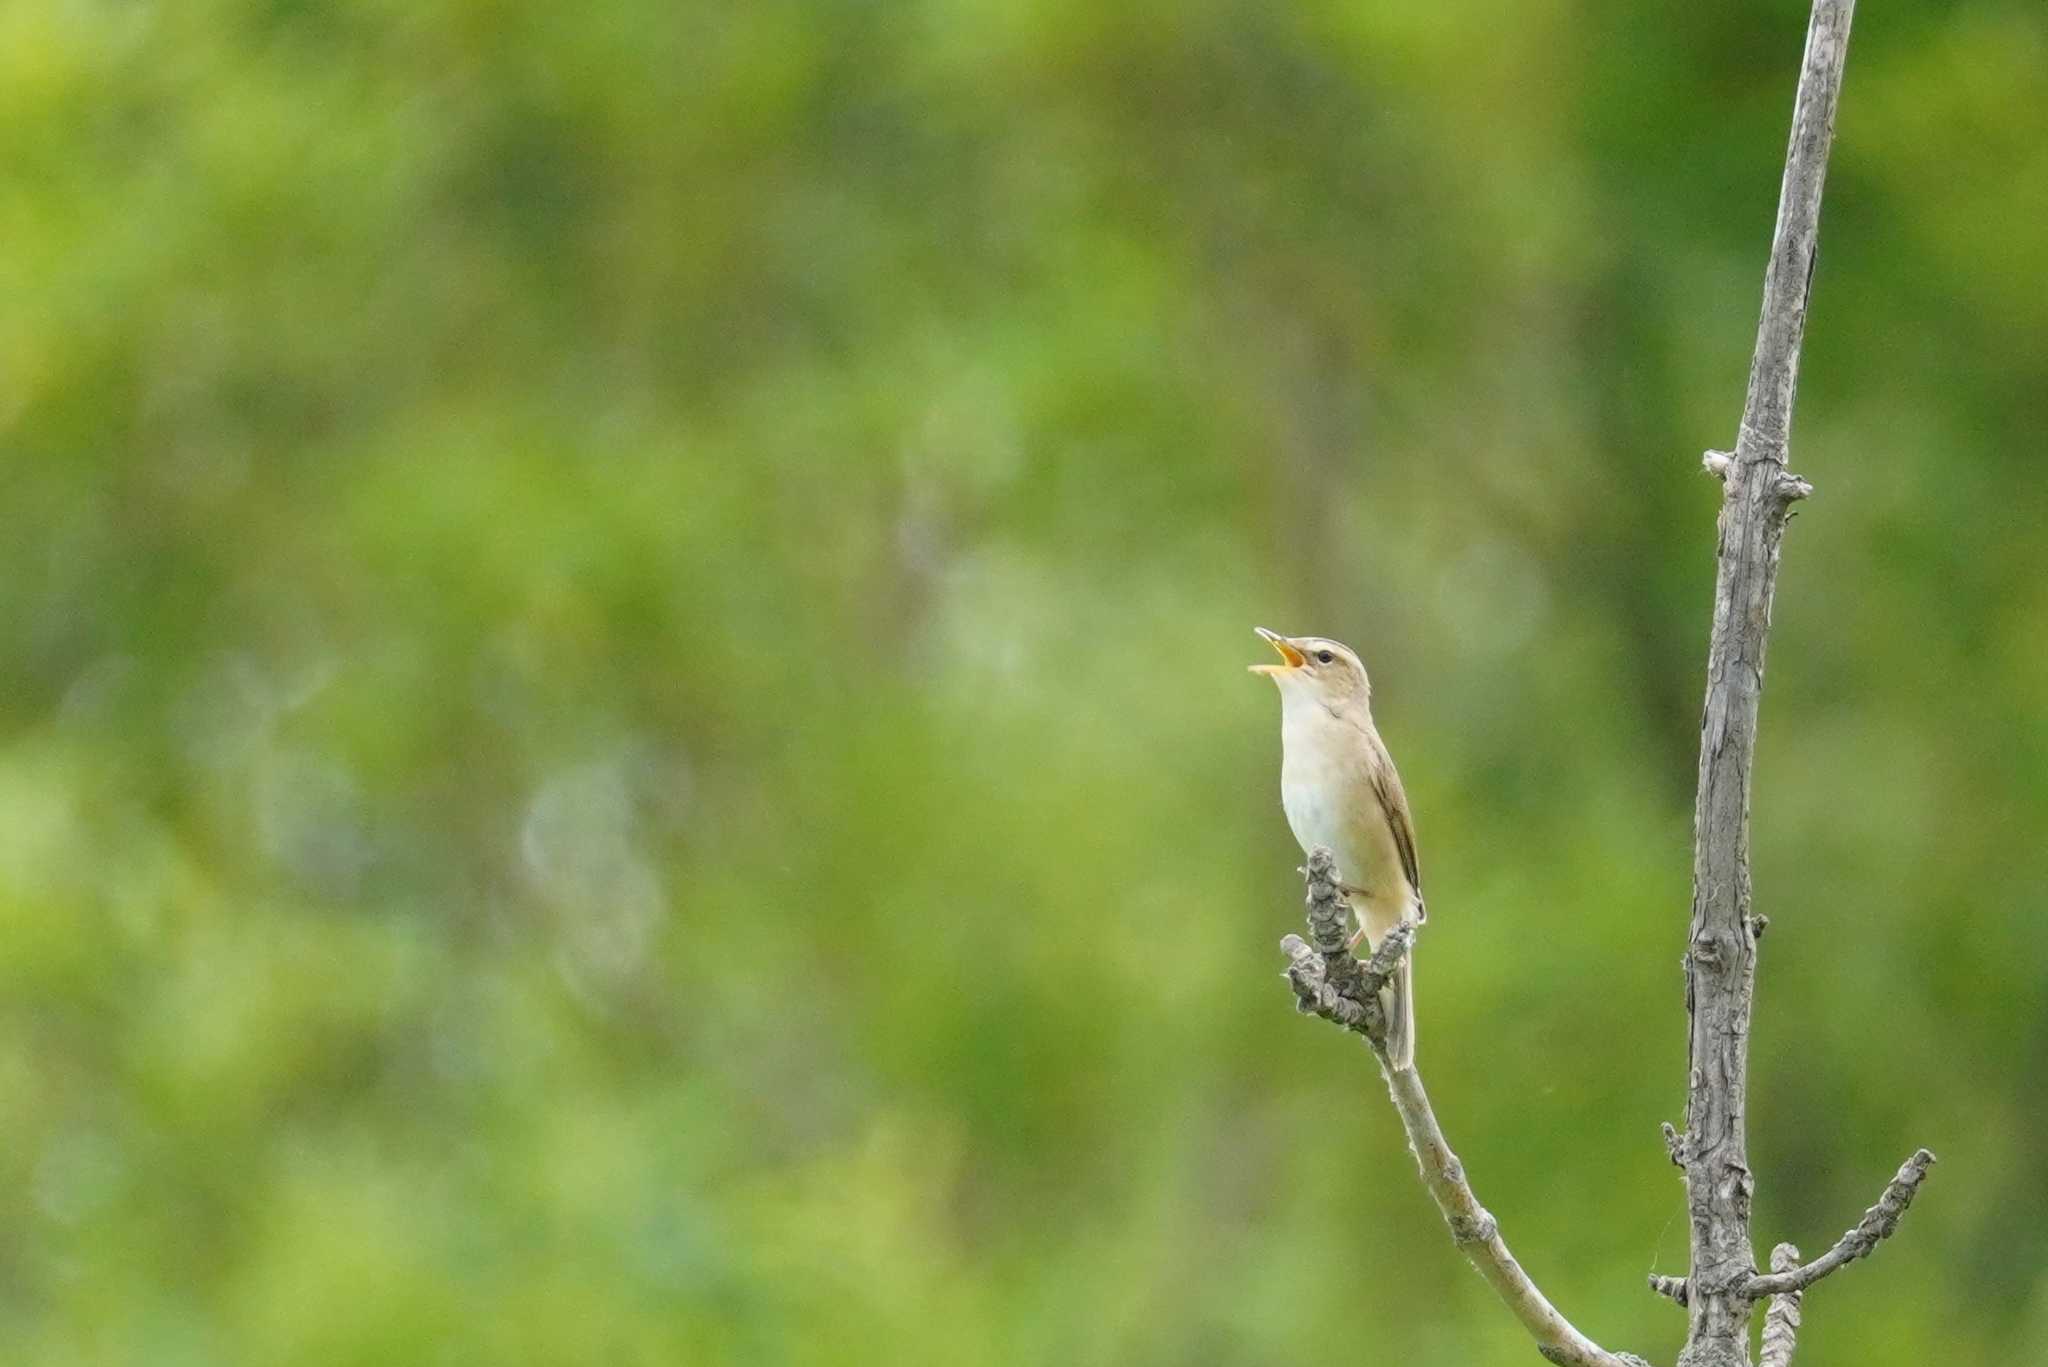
x: 1294, y: 658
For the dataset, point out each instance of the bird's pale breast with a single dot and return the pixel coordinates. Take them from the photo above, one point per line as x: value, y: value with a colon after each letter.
x: 1326, y: 790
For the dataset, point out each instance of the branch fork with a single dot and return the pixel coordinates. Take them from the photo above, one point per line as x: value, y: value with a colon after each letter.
x: 1328, y: 980
x: 1879, y: 1223
x: 1791, y: 1278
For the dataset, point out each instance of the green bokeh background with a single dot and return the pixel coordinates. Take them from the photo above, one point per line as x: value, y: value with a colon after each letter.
x: 623, y: 735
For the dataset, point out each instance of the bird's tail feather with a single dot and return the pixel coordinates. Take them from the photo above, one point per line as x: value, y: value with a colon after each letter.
x: 1401, y: 1015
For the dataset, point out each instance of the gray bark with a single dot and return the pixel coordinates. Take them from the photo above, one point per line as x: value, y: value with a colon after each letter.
x: 1781, y: 1321
x: 1721, y: 955
x: 1860, y: 1241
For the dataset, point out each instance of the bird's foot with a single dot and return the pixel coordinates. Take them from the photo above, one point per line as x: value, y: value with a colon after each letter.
x: 1351, y: 890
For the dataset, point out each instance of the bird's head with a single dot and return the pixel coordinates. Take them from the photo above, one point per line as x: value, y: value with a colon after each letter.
x: 1315, y: 669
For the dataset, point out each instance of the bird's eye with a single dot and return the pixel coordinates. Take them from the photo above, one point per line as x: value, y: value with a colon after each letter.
x: 1324, y: 656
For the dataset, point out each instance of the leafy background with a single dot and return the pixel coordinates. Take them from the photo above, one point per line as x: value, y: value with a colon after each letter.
x: 623, y: 735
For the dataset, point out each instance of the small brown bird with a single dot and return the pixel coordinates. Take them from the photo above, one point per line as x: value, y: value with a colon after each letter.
x: 1339, y: 789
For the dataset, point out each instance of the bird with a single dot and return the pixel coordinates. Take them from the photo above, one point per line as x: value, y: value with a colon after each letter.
x: 1340, y: 790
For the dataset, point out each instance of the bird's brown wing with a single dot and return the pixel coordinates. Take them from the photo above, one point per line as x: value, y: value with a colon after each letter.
x: 1393, y: 800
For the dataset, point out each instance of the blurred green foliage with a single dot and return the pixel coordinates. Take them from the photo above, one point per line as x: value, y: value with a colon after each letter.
x: 622, y: 727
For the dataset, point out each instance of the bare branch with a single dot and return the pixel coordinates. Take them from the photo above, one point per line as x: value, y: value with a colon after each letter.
x: 1673, y: 1287
x: 1721, y: 942
x: 1781, y: 1321
x: 1861, y: 1241
x: 1328, y: 981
